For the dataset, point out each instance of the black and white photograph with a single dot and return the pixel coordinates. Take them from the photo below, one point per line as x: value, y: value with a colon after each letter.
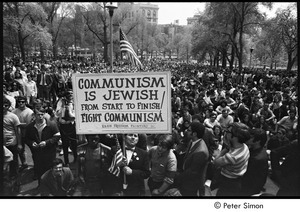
x: 151, y: 100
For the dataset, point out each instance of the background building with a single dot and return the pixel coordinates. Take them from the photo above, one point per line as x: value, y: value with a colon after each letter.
x: 150, y: 11
x: 192, y: 20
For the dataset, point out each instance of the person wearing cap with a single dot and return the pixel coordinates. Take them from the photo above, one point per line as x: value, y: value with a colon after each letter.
x: 233, y: 160
x: 25, y: 116
x: 42, y: 137
x: 255, y: 177
x: 191, y: 180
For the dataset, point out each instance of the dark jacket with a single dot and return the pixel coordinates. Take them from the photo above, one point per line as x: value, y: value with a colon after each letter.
x: 255, y: 177
x: 42, y: 157
x: 48, y: 79
x: 195, y: 167
x: 50, y: 186
x: 139, y: 164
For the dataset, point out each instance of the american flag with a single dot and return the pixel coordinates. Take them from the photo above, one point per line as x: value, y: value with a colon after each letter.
x: 126, y: 47
x: 116, y: 161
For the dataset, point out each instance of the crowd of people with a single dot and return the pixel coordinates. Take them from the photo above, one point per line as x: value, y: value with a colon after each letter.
x: 231, y: 130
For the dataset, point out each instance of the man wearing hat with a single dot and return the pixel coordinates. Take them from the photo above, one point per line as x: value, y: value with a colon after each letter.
x: 25, y: 116
x: 192, y: 179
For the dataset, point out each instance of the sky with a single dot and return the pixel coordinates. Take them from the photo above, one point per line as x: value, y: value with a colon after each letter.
x: 170, y: 11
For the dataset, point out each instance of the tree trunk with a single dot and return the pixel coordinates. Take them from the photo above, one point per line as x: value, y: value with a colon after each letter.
x: 105, y: 44
x: 187, y: 54
x: 54, y: 50
x: 291, y: 62
x: 42, y: 52
x: 211, y: 60
x: 240, y: 56
x: 217, y: 59
x: 224, y: 60
x: 21, y: 44
x: 231, y: 62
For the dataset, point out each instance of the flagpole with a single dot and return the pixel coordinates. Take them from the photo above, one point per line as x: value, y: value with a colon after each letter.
x: 124, y: 153
x: 111, y: 8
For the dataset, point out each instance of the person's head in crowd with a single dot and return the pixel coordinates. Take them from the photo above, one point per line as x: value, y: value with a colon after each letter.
x: 18, y: 74
x: 37, y: 104
x: 198, y: 118
x: 281, y: 133
x: 185, y: 113
x: 18, y: 68
x: 262, y: 119
x: 43, y: 68
x: 21, y: 101
x: 213, y: 116
x: 5, y: 87
x: 69, y: 95
x: 258, y: 139
x: 186, y: 124
x: 292, y: 114
x: 35, y: 68
x: 197, y: 130
x: 6, y: 105
x: 39, y: 115
x: 29, y: 77
x: 131, y: 140
x: 225, y: 113
x: 57, y: 167
x: 223, y: 103
x: 202, y: 104
x: 266, y: 105
x: 292, y: 106
x: 236, y: 133
x: 210, y: 108
x: 165, y: 143
x: 15, y: 86
x: 217, y: 130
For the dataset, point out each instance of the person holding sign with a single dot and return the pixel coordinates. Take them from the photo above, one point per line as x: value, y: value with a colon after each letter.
x: 134, y: 169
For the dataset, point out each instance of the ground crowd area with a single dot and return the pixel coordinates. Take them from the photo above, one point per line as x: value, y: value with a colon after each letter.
x: 213, y: 96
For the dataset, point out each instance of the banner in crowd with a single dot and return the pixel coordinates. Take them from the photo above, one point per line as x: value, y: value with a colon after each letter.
x: 122, y: 103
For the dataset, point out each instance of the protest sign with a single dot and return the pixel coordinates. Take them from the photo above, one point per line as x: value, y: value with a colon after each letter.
x: 122, y: 103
